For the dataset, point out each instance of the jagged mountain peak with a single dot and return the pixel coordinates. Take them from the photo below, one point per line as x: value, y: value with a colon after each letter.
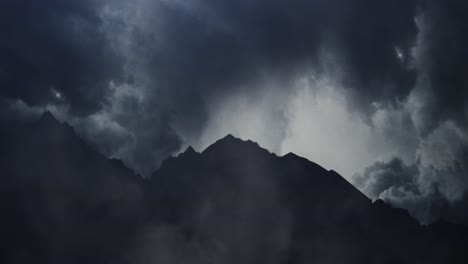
x: 189, y: 152
x: 47, y: 121
x: 47, y: 115
x: 232, y: 144
x: 254, y: 204
x: 48, y: 118
x: 229, y: 139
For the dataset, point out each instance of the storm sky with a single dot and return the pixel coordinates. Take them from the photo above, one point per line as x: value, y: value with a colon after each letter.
x: 374, y: 89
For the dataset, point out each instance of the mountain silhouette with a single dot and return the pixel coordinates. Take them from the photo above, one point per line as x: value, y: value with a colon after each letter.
x: 61, y: 201
x: 234, y: 202
x: 239, y: 193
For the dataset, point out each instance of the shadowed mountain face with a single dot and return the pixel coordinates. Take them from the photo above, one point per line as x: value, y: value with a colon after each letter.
x: 61, y: 202
x: 268, y: 209
x: 235, y: 202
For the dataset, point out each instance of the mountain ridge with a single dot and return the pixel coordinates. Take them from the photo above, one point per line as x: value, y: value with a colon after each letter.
x: 235, y: 202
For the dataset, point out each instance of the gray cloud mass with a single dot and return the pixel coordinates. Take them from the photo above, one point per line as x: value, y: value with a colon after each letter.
x: 343, y: 83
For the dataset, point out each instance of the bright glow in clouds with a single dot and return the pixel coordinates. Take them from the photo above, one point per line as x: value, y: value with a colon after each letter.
x: 399, y: 54
x: 312, y: 119
x: 260, y: 118
x: 315, y: 122
x: 322, y: 129
x: 57, y: 95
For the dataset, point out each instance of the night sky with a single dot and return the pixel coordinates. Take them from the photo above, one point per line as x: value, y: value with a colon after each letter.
x: 376, y: 90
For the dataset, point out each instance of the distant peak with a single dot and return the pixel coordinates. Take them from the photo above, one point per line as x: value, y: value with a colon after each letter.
x: 47, y: 114
x: 381, y: 204
x: 190, y: 150
x: 48, y: 117
x: 48, y: 121
x: 230, y: 137
x: 290, y: 155
x: 232, y: 143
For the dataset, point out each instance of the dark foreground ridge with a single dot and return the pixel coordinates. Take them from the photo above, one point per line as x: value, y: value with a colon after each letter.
x: 235, y: 202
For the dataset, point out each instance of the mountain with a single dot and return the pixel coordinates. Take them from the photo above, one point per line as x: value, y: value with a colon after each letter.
x: 235, y: 202
x: 257, y: 207
x: 61, y: 201
x: 264, y: 208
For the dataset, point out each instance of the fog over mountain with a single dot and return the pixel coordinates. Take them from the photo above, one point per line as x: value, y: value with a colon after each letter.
x: 373, y: 89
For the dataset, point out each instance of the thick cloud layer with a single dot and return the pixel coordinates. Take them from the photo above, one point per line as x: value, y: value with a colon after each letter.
x: 437, y: 180
x: 51, y: 49
x: 344, y: 83
x: 433, y: 186
x: 441, y: 59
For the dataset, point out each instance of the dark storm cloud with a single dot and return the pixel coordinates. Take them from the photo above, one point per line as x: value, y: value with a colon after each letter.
x: 49, y: 46
x: 181, y: 57
x: 440, y: 114
x: 399, y: 184
x: 214, y: 46
x: 382, y: 176
x: 434, y: 186
x: 138, y: 78
x: 190, y: 55
x: 443, y: 60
